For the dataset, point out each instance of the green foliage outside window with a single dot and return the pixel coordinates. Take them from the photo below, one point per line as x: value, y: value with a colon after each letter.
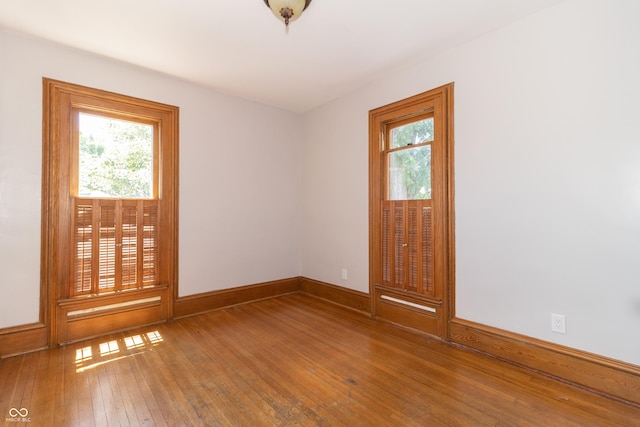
x: 116, y: 158
x: 410, y: 168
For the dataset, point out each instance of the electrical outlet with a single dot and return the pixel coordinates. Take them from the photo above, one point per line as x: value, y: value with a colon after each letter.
x: 558, y: 323
x: 345, y: 274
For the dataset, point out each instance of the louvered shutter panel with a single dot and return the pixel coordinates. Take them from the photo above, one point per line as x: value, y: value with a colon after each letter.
x: 82, y: 246
x: 129, y: 247
x: 393, y: 241
x: 407, y: 246
x: 427, y: 251
x: 398, y: 244
x: 115, y: 245
x: 107, y: 251
x: 386, y: 243
x: 149, y: 253
x: 413, y: 249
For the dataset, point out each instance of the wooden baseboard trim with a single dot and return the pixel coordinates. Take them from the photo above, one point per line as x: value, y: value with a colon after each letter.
x: 33, y: 337
x: 23, y: 339
x: 336, y: 294
x: 612, y: 378
x: 201, y: 303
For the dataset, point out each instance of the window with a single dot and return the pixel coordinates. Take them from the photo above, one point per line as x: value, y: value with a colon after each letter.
x: 411, y: 210
x: 115, y: 210
x: 116, y: 157
x: 110, y: 174
x: 408, y: 157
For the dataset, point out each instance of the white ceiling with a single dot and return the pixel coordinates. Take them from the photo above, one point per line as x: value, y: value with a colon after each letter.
x: 238, y: 47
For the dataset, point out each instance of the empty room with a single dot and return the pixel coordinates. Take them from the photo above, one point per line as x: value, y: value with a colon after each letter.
x: 320, y: 212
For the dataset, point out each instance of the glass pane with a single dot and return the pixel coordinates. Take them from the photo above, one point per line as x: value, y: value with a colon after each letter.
x: 410, y: 174
x: 116, y: 158
x: 412, y: 133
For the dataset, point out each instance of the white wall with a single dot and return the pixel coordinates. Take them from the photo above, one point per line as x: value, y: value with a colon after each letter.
x: 547, y: 175
x: 239, y: 174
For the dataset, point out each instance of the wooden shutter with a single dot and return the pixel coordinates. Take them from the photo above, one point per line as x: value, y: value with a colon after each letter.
x: 399, y: 239
x: 150, y: 244
x: 393, y: 240
x: 107, y: 248
x: 115, y: 245
x: 386, y: 243
x: 83, y: 242
x: 129, y: 248
x: 406, y: 244
x: 427, y: 251
x: 413, y: 248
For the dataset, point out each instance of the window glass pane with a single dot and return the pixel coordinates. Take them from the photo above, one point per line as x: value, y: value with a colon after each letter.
x: 410, y: 173
x: 412, y: 133
x: 116, y: 158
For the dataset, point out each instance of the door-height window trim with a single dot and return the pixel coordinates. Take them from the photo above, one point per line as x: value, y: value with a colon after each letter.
x: 411, y: 227
x: 106, y: 250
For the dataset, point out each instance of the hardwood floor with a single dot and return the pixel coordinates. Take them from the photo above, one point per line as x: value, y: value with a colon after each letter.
x: 292, y: 360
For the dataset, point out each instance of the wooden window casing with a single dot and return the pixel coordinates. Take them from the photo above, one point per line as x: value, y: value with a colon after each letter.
x: 117, y: 257
x: 411, y: 239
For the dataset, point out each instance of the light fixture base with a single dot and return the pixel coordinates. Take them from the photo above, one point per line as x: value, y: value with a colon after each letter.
x: 287, y: 10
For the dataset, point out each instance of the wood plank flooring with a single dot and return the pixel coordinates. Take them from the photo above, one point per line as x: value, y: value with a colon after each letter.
x: 292, y: 360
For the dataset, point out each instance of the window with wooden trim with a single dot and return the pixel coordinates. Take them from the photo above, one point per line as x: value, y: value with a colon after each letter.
x: 110, y: 210
x: 411, y: 210
x: 407, y: 255
x: 114, y: 187
x: 407, y: 155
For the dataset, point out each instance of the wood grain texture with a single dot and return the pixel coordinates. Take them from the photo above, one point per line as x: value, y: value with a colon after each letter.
x: 616, y: 379
x: 603, y: 375
x: 200, y: 303
x: 438, y: 103
x: 61, y: 103
x: 336, y: 294
x: 110, y: 313
x: 23, y: 339
x: 292, y: 360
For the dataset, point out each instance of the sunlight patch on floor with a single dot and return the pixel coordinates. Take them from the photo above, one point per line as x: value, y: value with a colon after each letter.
x: 90, y: 357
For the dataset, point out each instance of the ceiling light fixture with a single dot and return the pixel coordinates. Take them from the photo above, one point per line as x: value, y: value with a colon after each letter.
x: 287, y: 10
